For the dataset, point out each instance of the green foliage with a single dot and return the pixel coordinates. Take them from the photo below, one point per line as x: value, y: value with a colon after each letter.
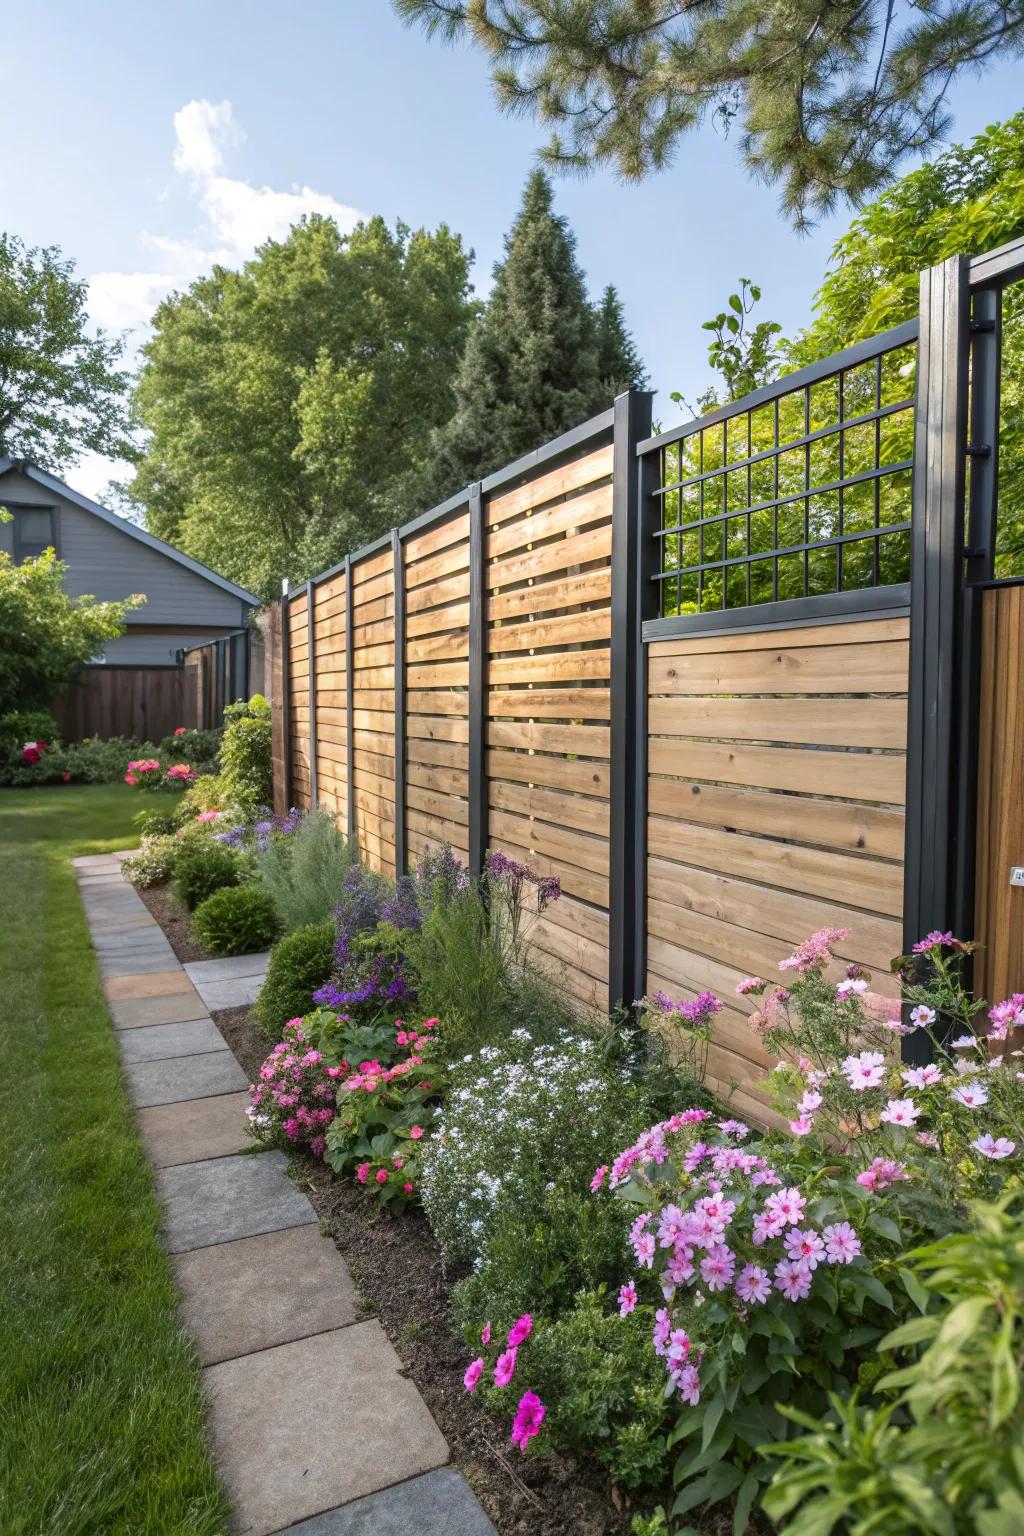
x: 828, y: 99
x: 299, y: 963
x: 191, y: 746
x: 290, y: 404
x: 246, y: 755
x: 84, y: 762
x: 47, y: 636
x: 235, y: 920
x: 201, y: 869
x: 20, y: 726
x: 745, y: 356
x: 153, y: 862
x: 303, y: 873
x: 61, y: 389
x: 538, y: 360
x: 602, y: 1388
x: 157, y: 822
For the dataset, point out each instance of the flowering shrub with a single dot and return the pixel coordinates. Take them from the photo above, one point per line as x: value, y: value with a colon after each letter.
x: 292, y: 1101
x: 153, y: 862
x: 386, y: 1113
x: 181, y: 773
x: 372, y: 982
x: 498, y: 1364
x: 510, y: 1111
x: 144, y: 773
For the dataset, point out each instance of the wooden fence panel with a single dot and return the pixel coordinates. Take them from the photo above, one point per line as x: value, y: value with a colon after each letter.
x: 373, y: 701
x: 999, y: 906
x: 777, y: 771
x: 547, y: 702
x: 145, y: 703
x: 331, y: 697
x: 297, y: 638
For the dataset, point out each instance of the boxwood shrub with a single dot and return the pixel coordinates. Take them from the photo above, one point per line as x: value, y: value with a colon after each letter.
x: 299, y: 964
x: 202, y: 869
x: 236, y: 920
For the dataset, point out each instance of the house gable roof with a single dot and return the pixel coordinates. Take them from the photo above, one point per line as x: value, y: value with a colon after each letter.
x: 131, y: 530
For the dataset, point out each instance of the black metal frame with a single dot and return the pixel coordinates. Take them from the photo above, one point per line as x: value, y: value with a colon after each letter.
x: 350, y: 734
x: 401, y: 848
x: 286, y: 689
x: 314, y: 788
x: 478, y: 796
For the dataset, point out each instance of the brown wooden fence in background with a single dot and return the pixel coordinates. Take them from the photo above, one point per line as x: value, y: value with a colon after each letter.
x: 728, y: 683
x: 143, y: 703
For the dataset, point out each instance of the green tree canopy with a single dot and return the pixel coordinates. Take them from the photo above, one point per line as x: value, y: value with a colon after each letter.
x: 829, y: 98
x: 46, y: 637
x: 61, y: 391
x: 540, y: 359
x: 290, y: 404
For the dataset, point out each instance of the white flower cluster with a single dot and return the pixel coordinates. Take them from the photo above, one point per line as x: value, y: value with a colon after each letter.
x: 510, y: 1111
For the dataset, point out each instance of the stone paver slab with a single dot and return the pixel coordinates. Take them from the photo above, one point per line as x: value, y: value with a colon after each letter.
x: 183, y: 1077
x: 261, y: 1291
x: 155, y: 984
x: 225, y: 970
x: 147, y: 941
x: 194, y: 1130
x: 274, y: 1468
x: 239, y: 993
x: 120, y: 922
x: 439, y: 1503
x: 172, y: 1008
x: 98, y: 860
x: 161, y: 1041
x: 128, y: 964
x: 228, y: 1197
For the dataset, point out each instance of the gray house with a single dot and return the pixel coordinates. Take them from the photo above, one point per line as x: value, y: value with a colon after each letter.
x: 186, y: 604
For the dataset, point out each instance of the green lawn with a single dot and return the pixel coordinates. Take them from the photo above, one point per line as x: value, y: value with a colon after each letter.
x: 101, y: 1426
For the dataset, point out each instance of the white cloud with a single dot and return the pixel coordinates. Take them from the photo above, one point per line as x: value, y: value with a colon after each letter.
x: 125, y: 301
x: 203, y: 131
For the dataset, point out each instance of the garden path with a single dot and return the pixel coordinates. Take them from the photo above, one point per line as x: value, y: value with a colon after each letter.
x: 315, y: 1429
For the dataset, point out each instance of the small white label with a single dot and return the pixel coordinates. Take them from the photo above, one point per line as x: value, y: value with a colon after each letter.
x: 1017, y: 874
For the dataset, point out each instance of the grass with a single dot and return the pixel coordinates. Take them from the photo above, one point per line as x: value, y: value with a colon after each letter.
x: 101, y: 1419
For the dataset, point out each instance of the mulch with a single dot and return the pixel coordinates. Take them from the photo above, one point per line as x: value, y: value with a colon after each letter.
x: 176, y: 924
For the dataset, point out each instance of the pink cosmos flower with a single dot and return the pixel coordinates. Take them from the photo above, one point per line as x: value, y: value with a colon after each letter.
x: 922, y: 1077
x: 644, y: 1249
x: 817, y: 950
x: 734, y: 1128
x: 810, y: 1102
x: 627, y: 1298
x: 753, y: 1283
x: 882, y: 1172
x: 964, y: 1042
x: 528, y: 1420
x: 788, y: 1204
x: 865, y: 1070
x: 804, y: 1244
x: 473, y: 1374
x: 900, y: 1112
x: 793, y: 1278
x: 922, y: 1015
x: 803, y: 1125
x: 505, y: 1368
x: 995, y: 1147
x: 766, y: 1224
x: 851, y: 987
x: 842, y: 1245
x: 598, y: 1179
x: 678, y: 1346
x: 750, y: 984
x: 520, y: 1331
x: 688, y: 1382
x: 662, y: 1329
x: 971, y: 1095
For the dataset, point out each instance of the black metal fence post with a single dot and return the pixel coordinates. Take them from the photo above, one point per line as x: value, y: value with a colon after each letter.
x: 477, y: 680
x: 314, y: 794
x: 933, y: 861
x: 401, y: 851
x: 350, y: 733
x: 627, y: 844
x: 286, y: 699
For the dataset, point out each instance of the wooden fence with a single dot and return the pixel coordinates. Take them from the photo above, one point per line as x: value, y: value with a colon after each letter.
x: 725, y: 682
x: 144, y: 703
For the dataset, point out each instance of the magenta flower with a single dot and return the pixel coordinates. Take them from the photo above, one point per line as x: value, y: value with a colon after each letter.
x: 842, y: 1245
x: 937, y: 940
x: 528, y: 1420
x: 793, y: 1278
x: 598, y: 1179
x: 627, y: 1298
x: 473, y: 1374
x: 804, y: 1244
x: 718, y: 1267
x: 688, y: 1382
x: 995, y: 1147
x: 750, y: 984
x: 734, y: 1128
x: 753, y: 1284
x: 485, y: 1334
x: 787, y: 1204
x: 520, y: 1331
x: 505, y: 1368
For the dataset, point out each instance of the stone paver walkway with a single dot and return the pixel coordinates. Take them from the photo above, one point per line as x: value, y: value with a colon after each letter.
x: 315, y: 1430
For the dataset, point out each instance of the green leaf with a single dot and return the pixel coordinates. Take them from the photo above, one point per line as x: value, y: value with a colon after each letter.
x: 915, y: 1290
x: 714, y: 1486
x: 885, y: 1227
x: 712, y: 1418
x: 744, y: 1503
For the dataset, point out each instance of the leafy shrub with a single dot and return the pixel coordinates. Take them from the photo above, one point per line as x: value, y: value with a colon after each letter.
x: 547, y: 1112
x: 292, y: 1100
x: 235, y: 920
x: 303, y: 869
x: 246, y: 755
x: 153, y: 862
x: 206, y: 793
x: 86, y: 762
x: 190, y: 745
x: 299, y: 963
x: 201, y: 869
x: 372, y: 983
x: 158, y: 822
x: 23, y: 725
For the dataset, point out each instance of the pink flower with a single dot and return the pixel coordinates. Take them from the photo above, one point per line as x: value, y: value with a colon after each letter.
x: 793, y: 1278
x: 662, y: 1330
x: 407, y: 1189
x: 362, y: 1172
x: 528, y: 1420
x: 416, y: 1133
x: 734, y: 1128
x: 803, y: 1125
x: 864, y: 1071
x: 473, y: 1374
x: 627, y: 1298
x: 882, y: 1172
x: 643, y: 1247
x: 180, y: 730
x: 922, y: 1015
x: 900, y: 1112
x: 598, y: 1179
x: 718, y: 1267
x: 485, y: 1334
x: 381, y: 1175
x: 851, y: 987
x: 971, y: 1095
x: 842, y: 1244
x: 994, y: 1147
x: 805, y: 1245
x: 817, y: 950
x: 688, y: 1382
x: 505, y: 1368
x: 788, y: 1204
x: 750, y: 984
x: 520, y: 1331
x: 922, y: 1077
x: 753, y: 1284
x: 678, y: 1346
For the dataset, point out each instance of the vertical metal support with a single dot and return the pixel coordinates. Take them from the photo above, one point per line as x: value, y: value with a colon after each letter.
x: 314, y: 794
x: 626, y: 842
x: 936, y: 608
x: 286, y: 702
x: 350, y: 731
x: 648, y: 606
x: 478, y: 796
x: 397, y: 560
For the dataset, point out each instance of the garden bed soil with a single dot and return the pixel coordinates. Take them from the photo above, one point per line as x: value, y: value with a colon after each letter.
x: 398, y: 1269
x: 176, y: 924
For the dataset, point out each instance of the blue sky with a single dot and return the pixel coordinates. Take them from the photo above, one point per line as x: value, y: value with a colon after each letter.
x: 150, y: 139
